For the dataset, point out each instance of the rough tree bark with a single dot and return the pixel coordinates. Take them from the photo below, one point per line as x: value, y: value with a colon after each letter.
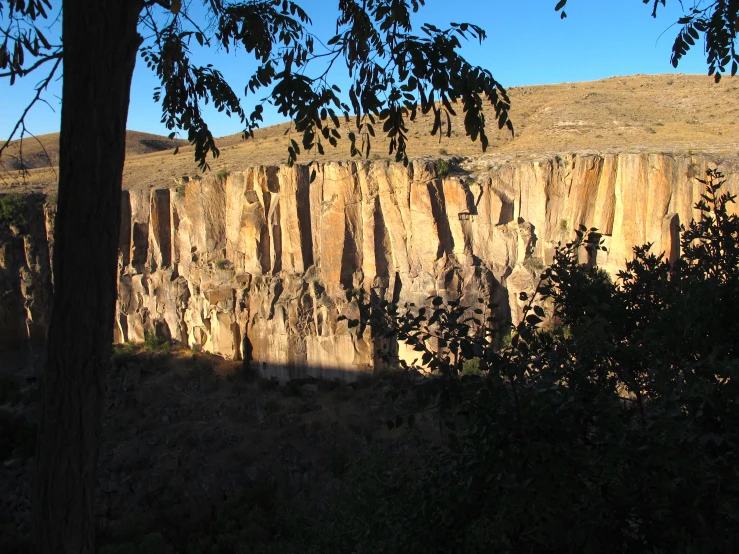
x: 100, y: 47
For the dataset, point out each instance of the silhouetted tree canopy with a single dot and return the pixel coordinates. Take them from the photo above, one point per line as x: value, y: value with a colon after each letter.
x: 394, y: 72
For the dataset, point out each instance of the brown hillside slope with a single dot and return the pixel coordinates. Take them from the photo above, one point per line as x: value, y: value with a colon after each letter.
x: 640, y: 112
x: 42, y: 151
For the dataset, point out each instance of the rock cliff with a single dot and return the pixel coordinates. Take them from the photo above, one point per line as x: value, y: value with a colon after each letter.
x: 259, y: 265
x: 25, y: 285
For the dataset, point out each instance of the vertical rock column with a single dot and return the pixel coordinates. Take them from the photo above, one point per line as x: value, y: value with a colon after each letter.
x: 261, y: 264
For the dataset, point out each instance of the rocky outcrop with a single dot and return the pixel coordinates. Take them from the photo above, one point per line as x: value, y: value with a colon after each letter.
x: 259, y: 265
x: 25, y: 285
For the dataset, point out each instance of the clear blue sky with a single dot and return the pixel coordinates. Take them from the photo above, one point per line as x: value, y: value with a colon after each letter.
x: 527, y: 44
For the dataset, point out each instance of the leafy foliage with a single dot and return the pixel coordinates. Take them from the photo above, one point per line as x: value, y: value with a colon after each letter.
x: 442, y: 168
x: 25, y: 38
x: 153, y: 347
x: 618, y: 435
x: 471, y: 367
x: 394, y: 73
x: 24, y: 48
x: 533, y: 264
x: 155, y: 344
x: 13, y: 210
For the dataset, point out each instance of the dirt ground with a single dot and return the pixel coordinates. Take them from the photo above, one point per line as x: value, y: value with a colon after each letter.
x: 186, y: 433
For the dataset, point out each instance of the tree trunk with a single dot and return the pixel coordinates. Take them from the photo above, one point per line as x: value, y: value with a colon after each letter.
x: 100, y: 46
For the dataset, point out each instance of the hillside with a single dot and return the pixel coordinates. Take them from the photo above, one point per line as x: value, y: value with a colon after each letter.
x: 640, y: 112
x: 42, y: 151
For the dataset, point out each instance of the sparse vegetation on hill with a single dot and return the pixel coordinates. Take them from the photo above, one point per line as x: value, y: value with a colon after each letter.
x: 653, y: 112
x: 42, y: 151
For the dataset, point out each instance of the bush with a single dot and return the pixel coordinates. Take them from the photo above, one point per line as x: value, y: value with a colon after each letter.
x: 223, y: 174
x: 442, y: 168
x: 156, y: 345
x: 153, y: 347
x: 533, y: 264
x: 124, y: 353
x: 471, y: 367
x: 617, y: 434
x: 13, y: 210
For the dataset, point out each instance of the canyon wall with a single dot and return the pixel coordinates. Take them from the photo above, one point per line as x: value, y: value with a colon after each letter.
x: 259, y: 265
x: 26, y: 285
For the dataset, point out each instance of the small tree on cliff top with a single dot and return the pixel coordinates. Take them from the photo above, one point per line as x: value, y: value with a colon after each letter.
x: 393, y: 74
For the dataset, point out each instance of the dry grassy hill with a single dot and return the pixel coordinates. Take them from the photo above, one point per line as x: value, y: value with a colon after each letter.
x: 42, y: 151
x: 640, y: 112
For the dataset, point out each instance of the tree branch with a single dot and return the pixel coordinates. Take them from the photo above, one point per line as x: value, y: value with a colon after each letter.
x: 39, y: 89
x: 23, y: 72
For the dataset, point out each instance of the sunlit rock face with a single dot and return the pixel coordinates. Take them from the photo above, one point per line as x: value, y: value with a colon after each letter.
x: 260, y: 265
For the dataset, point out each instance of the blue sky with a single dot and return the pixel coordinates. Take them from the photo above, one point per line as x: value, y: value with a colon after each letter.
x: 527, y: 44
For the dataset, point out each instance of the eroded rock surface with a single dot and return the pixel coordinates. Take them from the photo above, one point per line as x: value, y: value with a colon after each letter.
x: 259, y: 266
x: 25, y: 286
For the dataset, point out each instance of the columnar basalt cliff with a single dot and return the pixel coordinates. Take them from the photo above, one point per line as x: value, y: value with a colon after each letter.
x: 259, y: 265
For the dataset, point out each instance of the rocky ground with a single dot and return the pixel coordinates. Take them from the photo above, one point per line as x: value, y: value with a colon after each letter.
x: 199, y: 453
